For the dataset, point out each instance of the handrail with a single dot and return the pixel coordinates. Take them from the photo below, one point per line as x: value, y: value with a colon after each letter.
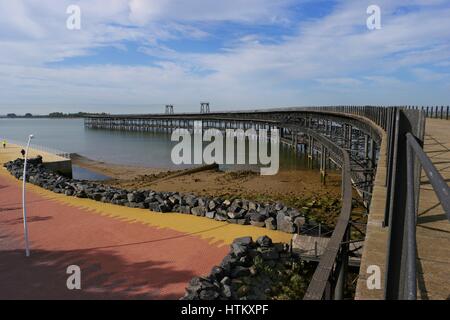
x: 437, y: 181
x: 324, y: 270
x: 414, y: 150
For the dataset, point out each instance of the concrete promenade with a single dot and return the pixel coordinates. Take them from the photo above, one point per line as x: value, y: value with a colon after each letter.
x: 123, y: 253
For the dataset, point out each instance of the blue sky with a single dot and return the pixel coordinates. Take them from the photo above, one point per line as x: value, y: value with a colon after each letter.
x: 138, y: 55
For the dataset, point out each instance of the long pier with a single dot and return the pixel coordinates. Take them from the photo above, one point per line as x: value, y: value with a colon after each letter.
x: 375, y: 147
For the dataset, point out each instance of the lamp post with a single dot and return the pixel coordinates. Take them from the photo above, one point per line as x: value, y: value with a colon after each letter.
x: 25, y: 226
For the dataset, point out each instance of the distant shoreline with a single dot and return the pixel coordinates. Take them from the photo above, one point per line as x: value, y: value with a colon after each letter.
x: 38, y: 117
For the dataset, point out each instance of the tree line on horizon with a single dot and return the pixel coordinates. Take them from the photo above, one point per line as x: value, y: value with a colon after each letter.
x: 53, y: 115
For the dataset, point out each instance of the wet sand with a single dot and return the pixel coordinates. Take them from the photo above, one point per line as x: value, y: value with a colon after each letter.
x: 285, y: 186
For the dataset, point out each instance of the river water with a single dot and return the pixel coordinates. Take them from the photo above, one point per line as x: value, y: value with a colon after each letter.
x: 145, y: 149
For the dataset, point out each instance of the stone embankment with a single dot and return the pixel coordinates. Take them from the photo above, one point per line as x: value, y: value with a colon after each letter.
x: 273, y: 216
x: 257, y: 270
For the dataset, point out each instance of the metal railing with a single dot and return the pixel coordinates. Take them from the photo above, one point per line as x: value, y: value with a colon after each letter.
x: 436, y: 112
x: 440, y: 187
x: 334, y: 261
x: 37, y: 147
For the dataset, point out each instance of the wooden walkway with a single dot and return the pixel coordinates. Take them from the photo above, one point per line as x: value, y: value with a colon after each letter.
x: 433, y: 228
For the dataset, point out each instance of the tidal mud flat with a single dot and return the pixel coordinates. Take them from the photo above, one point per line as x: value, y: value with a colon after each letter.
x: 287, y: 184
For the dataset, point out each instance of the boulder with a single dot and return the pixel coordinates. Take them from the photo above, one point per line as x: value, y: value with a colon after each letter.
x: 208, y: 294
x: 284, y: 223
x: 270, y: 223
x: 260, y: 224
x: 210, y: 214
x: 264, y: 241
x: 240, y: 271
x: 217, y: 273
x: 299, y: 222
x: 198, y: 211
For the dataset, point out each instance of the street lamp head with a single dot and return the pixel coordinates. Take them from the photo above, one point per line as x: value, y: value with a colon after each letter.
x: 31, y: 136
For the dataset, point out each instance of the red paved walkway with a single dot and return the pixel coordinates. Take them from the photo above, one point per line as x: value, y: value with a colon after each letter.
x: 118, y: 260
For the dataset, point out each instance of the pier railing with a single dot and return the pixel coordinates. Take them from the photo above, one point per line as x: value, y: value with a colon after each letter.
x: 37, y: 147
x: 415, y: 151
x: 334, y: 261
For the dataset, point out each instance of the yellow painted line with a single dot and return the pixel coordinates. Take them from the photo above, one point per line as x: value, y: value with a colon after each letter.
x: 215, y: 232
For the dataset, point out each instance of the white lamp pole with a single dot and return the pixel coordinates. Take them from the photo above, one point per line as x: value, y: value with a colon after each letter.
x: 25, y: 226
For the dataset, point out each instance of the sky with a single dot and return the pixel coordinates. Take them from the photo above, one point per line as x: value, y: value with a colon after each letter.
x: 135, y: 56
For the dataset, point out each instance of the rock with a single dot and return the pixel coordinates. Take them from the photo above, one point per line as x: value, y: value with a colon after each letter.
x: 247, y: 241
x: 197, y: 284
x: 225, y: 281
x: 261, y: 224
x: 97, y: 196
x: 226, y: 291
x: 220, y: 217
x: 293, y: 214
x: 81, y: 194
x: 284, y: 223
x: 191, y: 201
x: 269, y: 253
x: 210, y: 214
x: 154, y: 206
x: 226, y: 204
x: 131, y: 197
x: 174, y: 200
x: 235, y: 214
x: 299, y: 222
x: 264, y: 212
x: 212, y: 205
x: 240, y: 246
x: 184, y: 209
x: 208, y: 295
x: 240, y: 271
x: 164, y: 208
x: 228, y: 263
x: 270, y: 224
x: 239, y: 249
x: 264, y: 241
x: 242, y: 221
x: 279, y: 206
x: 252, y: 206
x: 198, y: 211
x: 257, y: 217
x: 217, y: 273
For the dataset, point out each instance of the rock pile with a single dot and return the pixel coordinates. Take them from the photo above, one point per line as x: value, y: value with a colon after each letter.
x: 232, y: 280
x: 273, y: 216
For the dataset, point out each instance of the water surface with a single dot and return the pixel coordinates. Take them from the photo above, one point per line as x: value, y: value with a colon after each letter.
x: 147, y: 149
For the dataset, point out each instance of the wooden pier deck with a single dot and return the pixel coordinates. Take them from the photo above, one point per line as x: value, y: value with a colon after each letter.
x: 433, y: 227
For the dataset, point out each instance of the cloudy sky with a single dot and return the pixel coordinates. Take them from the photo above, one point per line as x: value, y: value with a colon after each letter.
x: 138, y: 55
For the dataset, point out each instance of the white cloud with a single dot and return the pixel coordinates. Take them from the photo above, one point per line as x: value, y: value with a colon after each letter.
x: 331, y: 60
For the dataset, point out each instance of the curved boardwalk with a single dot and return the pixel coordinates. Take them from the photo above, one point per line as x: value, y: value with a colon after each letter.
x: 433, y: 227
x: 123, y: 253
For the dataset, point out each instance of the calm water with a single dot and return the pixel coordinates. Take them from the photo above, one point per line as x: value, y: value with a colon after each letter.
x: 126, y: 148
